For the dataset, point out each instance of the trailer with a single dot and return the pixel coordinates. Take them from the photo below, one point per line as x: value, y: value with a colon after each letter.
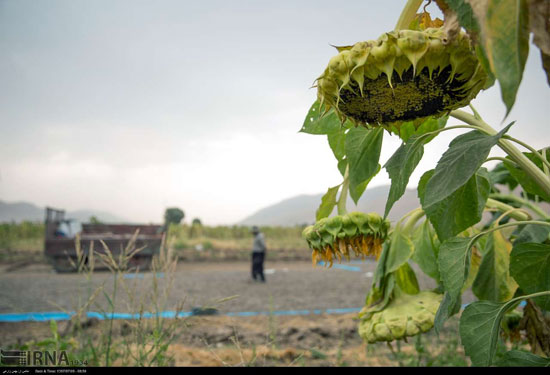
x: 62, y: 235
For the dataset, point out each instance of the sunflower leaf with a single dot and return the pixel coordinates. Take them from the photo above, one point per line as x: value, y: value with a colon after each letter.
x: 363, y: 148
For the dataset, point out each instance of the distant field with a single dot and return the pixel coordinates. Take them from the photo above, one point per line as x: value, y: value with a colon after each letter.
x: 235, y: 242
x: 21, y: 241
x: 25, y: 242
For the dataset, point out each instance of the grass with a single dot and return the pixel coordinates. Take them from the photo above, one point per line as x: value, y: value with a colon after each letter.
x: 235, y: 242
x: 146, y: 340
x: 155, y: 341
x: 25, y: 242
x: 21, y: 241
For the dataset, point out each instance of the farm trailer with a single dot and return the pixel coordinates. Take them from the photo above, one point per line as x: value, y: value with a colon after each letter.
x: 60, y: 241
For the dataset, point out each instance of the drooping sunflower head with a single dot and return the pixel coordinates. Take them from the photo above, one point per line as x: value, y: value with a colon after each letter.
x: 339, y: 236
x: 406, y: 315
x: 405, y: 75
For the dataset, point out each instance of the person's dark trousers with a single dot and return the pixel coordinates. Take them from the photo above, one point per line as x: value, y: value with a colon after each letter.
x: 258, y: 266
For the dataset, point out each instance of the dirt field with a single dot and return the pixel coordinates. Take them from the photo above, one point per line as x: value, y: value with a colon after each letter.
x: 321, y: 336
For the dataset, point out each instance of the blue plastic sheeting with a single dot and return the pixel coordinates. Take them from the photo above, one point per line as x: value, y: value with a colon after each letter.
x: 160, y: 275
x: 342, y: 267
x: 343, y: 311
x: 56, y: 315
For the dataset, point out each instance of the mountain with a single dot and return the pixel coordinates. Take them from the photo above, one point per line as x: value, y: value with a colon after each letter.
x: 21, y: 211
x: 301, y: 209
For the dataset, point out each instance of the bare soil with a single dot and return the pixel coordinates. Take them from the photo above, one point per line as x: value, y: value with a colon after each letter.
x: 319, y: 339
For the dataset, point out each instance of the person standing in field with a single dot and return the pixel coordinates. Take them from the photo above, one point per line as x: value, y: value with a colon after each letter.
x: 258, y: 255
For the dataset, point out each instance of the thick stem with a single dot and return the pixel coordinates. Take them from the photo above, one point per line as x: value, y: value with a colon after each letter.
x: 342, y: 200
x: 412, y: 221
x: 479, y: 235
x: 407, y: 14
x: 518, y: 215
x: 524, y: 202
x: 504, y: 160
x: 516, y: 155
x: 413, y: 212
x: 532, y: 149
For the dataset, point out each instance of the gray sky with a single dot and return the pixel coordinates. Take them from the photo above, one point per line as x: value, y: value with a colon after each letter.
x: 133, y: 106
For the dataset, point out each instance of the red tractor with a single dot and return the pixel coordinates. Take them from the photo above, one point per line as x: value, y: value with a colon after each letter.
x: 61, y: 241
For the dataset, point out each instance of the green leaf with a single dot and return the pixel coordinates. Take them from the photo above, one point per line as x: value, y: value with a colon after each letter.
x: 539, y: 14
x: 484, y: 61
x: 426, y: 250
x: 475, y: 263
x: 459, y: 163
x: 517, y: 358
x: 479, y: 328
x: 318, y: 123
x: 360, y: 189
x: 380, y: 270
x: 459, y: 210
x: 363, y: 148
x: 506, y: 42
x: 493, y: 281
x: 327, y: 203
x: 378, y: 298
x: 530, y: 267
x: 501, y: 175
x: 406, y: 279
x: 400, y: 167
x: 528, y: 184
x: 454, y: 264
x: 342, y: 165
x: 400, y: 250
x: 337, y: 141
x: 53, y: 329
x: 447, y: 308
x: 409, y: 129
x: 465, y: 14
x: 532, y: 233
x: 469, y: 18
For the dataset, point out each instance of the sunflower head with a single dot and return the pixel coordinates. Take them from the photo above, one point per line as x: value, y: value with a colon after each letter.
x: 339, y: 236
x: 406, y: 315
x: 405, y: 75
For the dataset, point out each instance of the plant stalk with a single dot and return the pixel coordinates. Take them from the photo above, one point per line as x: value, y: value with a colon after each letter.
x: 532, y: 149
x: 516, y: 155
x: 517, y: 215
x: 413, y: 220
x: 342, y: 200
x: 524, y: 202
x: 479, y: 235
x: 407, y: 14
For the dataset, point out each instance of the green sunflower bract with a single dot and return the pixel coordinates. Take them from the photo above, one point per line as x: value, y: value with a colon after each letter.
x: 402, y: 76
x: 406, y: 315
x: 339, y: 236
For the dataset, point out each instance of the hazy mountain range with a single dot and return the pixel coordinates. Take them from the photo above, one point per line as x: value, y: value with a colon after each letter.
x: 301, y: 209
x: 20, y: 211
x: 292, y: 211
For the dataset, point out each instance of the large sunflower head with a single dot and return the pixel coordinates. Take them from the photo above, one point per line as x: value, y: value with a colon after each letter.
x: 339, y: 236
x: 406, y: 315
x: 404, y: 75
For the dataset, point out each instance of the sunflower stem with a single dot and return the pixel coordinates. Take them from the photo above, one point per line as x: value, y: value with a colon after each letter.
x: 517, y: 215
x: 524, y: 202
x: 407, y: 14
x: 532, y: 149
x: 342, y: 200
x: 504, y: 160
x: 516, y: 223
x: 412, y: 221
x: 516, y: 155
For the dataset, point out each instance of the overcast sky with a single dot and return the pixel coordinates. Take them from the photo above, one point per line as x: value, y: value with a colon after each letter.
x: 134, y: 106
